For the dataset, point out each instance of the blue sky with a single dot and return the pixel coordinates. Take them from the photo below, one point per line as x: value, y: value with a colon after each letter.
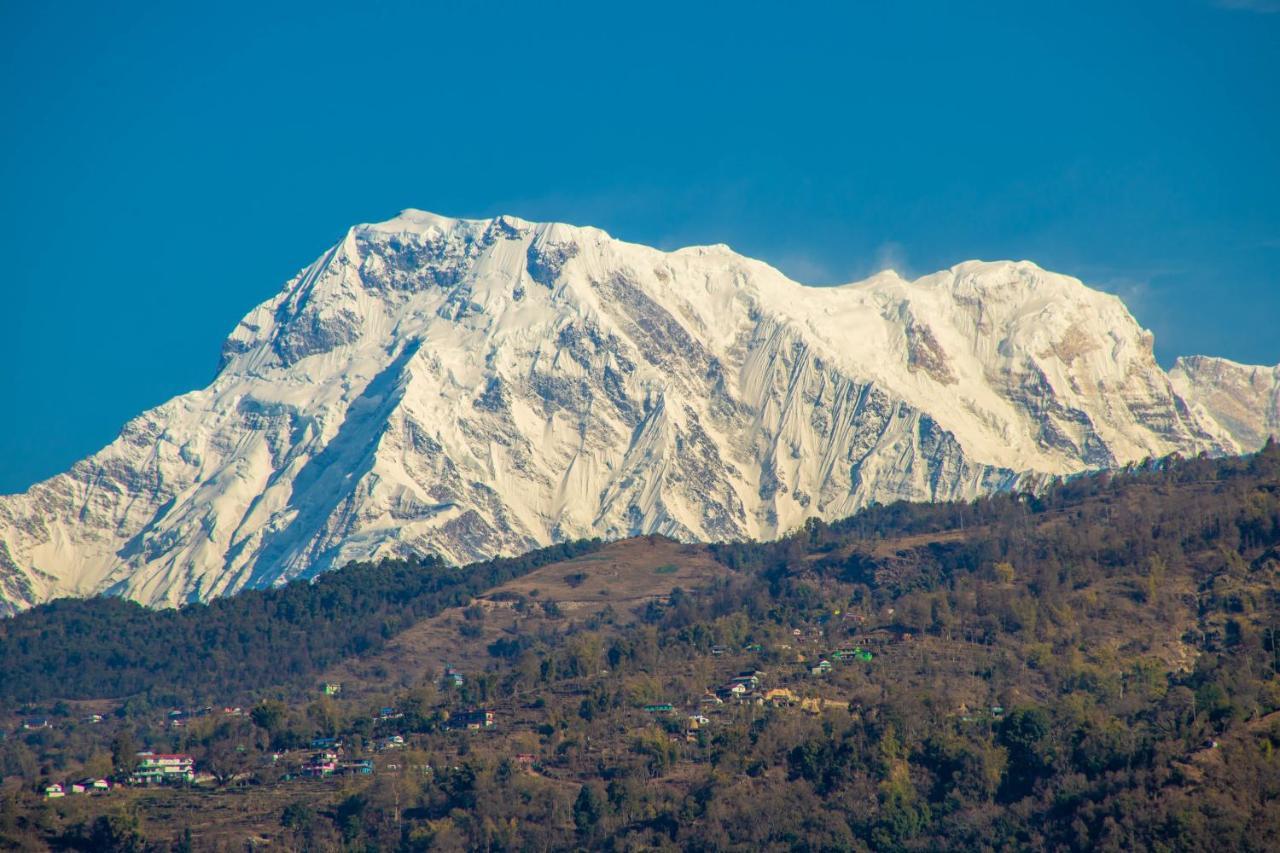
x: 165, y: 169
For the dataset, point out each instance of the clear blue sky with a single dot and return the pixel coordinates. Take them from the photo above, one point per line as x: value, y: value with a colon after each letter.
x: 164, y: 169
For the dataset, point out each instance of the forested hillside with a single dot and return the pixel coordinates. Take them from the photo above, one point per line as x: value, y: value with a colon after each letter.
x: 1094, y: 667
x: 235, y: 647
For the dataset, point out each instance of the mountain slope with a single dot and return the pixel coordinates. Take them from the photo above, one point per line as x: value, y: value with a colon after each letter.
x: 479, y: 387
x: 1243, y: 400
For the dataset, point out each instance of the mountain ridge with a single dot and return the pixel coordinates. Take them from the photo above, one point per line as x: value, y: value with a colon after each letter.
x: 481, y: 387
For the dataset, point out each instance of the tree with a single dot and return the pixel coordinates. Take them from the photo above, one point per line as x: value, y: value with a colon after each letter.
x: 116, y: 833
x: 124, y: 752
x: 588, y: 808
x: 1025, y: 734
x: 300, y: 819
x: 268, y: 714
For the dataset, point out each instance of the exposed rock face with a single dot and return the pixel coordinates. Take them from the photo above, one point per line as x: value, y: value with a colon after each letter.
x: 1243, y: 400
x: 479, y: 387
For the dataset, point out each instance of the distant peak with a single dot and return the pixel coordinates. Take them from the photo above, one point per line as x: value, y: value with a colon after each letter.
x: 412, y: 219
x: 1195, y: 363
x: 980, y: 267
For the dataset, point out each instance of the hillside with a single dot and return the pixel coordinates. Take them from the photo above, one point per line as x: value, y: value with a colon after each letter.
x: 1094, y: 667
x: 611, y: 588
x: 74, y: 649
x: 471, y: 388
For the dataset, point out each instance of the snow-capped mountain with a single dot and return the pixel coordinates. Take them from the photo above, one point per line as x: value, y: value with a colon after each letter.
x: 1243, y: 400
x: 473, y: 388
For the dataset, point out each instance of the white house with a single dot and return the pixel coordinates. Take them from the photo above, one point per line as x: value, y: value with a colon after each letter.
x: 155, y: 767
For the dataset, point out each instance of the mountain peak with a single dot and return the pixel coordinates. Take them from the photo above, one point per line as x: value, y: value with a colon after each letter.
x: 467, y: 387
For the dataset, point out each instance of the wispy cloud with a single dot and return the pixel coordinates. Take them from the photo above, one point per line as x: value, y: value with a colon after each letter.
x: 1136, y: 293
x: 892, y: 255
x: 1262, y: 7
x: 804, y: 268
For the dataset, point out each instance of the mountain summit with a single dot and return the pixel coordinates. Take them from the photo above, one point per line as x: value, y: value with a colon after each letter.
x: 477, y: 387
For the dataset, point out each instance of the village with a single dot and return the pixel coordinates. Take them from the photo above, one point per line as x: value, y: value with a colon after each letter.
x: 803, y: 677
x: 354, y: 725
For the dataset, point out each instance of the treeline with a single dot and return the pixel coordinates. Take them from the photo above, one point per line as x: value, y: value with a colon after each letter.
x: 240, y: 645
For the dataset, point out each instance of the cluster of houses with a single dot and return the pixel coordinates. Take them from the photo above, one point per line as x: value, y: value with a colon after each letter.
x: 327, y: 760
x: 740, y: 688
x: 823, y: 666
x: 452, y: 677
x: 91, y: 785
x: 179, y: 717
x: 745, y: 689
x: 330, y: 763
x: 32, y: 724
x: 153, y: 768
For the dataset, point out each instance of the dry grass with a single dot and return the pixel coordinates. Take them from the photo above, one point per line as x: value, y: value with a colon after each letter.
x: 624, y: 576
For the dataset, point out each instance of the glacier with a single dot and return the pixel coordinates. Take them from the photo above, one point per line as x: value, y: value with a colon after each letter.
x: 471, y: 388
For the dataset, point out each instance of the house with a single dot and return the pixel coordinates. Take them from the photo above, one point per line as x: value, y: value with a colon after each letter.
x: 452, y: 676
x: 817, y: 705
x: 711, y: 699
x: 323, y: 763
x: 326, y: 743
x: 163, y: 768
x: 717, y: 651
x: 823, y: 667
x: 883, y: 636
x: 781, y: 696
x: 391, y: 742
x: 363, y: 767
x: 473, y: 720
x: 77, y: 788
x: 53, y: 792
x: 331, y: 688
x: 660, y: 708
x: 389, y: 714
x: 93, y: 719
x: 525, y: 759
x: 697, y: 721
x: 34, y: 723
x: 94, y: 785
